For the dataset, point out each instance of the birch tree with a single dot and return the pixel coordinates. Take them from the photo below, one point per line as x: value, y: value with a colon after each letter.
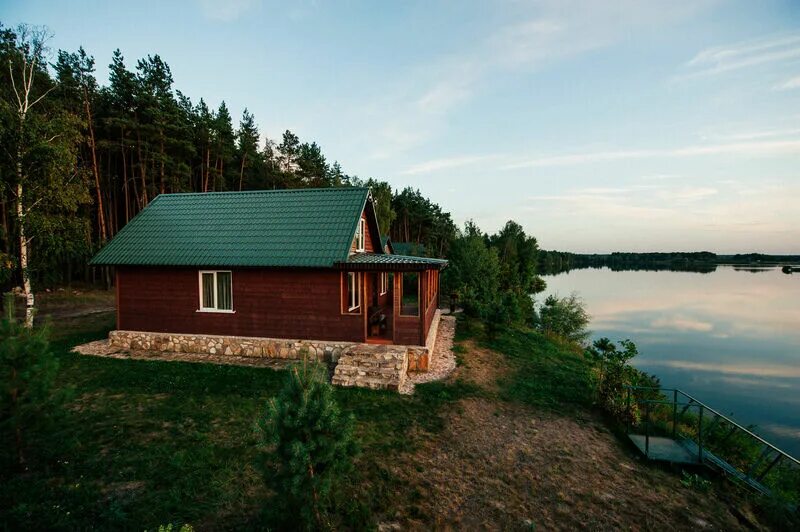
x: 31, y: 50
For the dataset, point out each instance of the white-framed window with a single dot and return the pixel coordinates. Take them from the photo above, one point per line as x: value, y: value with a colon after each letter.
x: 359, y: 239
x: 216, y: 291
x: 384, y: 282
x: 353, y: 291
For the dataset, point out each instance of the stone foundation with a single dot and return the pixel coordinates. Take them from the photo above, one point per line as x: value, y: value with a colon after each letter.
x: 372, y: 366
x: 245, y: 346
x: 418, y: 356
x: 362, y: 365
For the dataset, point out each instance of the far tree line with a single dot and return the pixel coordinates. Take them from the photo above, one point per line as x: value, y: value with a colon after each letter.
x: 698, y: 261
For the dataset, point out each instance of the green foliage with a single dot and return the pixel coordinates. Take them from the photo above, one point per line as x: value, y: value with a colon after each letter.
x: 27, y: 371
x: 473, y: 273
x: 517, y: 254
x: 420, y: 221
x: 313, y: 445
x: 170, y: 528
x: 614, y: 373
x: 695, y: 482
x: 564, y: 317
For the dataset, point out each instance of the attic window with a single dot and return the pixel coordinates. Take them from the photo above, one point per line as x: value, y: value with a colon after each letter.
x: 216, y: 291
x: 359, y: 239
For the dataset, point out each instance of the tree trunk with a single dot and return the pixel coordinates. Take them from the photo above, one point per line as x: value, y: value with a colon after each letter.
x: 142, y: 170
x: 241, y: 171
x: 208, y: 169
x: 161, y: 188
x: 23, y: 248
x: 101, y: 219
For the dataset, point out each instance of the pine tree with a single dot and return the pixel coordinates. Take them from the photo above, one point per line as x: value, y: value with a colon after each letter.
x: 27, y: 371
x: 313, y: 444
x: 247, y: 138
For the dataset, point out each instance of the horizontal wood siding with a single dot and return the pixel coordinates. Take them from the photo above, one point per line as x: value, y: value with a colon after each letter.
x: 369, y: 241
x: 407, y: 329
x: 274, y: 303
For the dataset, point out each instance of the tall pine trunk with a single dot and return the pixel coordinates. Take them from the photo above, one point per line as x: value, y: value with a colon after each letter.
x: 241, y: 171
x: 101, y: 218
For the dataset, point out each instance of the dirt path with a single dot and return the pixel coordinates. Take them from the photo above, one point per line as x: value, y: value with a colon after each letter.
x: 499, y: 465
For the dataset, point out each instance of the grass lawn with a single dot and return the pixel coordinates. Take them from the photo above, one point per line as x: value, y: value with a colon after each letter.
x: 145, y: 443
x: 509, y: 439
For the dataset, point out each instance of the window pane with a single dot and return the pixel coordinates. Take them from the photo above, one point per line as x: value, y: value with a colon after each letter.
x: 351, y: 290
x: 410, y: 294
x: 224, y: 291
x: 208, y: 290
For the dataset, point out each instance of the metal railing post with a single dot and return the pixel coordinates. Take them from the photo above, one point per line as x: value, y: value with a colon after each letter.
x: 674, y: 413
x: 700, y: 435
x: 628, y: 410
x: 647, y: 429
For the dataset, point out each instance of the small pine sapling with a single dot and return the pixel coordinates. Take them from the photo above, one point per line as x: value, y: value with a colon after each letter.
x: 312, y: 445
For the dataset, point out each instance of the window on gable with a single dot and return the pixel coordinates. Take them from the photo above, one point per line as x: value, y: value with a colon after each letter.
x: 359, y: 238
x: 216, y: 291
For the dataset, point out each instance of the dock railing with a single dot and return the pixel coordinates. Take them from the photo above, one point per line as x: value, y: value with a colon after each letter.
x: 710, y: 438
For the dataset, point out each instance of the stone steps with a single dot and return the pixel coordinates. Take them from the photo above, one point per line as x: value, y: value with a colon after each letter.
x: 379, y: 367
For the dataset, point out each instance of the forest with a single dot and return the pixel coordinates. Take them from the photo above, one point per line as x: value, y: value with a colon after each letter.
x: 81, y: 158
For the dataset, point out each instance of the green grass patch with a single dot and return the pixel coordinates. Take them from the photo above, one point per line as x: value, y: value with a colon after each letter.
x: 142, y: 443
x: 545, y: 371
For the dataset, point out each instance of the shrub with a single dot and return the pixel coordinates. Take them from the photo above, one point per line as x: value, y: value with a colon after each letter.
x: 614, y: 373
x: 312, y: 444
x: 27, y: 371
x: 565, y: 317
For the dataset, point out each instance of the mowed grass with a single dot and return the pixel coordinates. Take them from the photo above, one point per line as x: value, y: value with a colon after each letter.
x: 143, y: 443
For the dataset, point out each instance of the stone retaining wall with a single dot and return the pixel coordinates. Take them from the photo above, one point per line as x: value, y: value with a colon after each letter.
x: 245, y: 346
x: 419, y: 358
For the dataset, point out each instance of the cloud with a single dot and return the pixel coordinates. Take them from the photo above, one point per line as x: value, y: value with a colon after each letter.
x: 755, y: 148
x: 678, y: 323
x: 762, y: 370
x: 687, y: 194
x: 789, y: 84
x: 446, y: 163
x: 533, y: 36
x: 226, y: 10
x: 720, y: 59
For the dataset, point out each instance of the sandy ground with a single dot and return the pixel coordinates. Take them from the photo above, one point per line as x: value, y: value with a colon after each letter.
x: 499, y: 465
x: 442, y: 361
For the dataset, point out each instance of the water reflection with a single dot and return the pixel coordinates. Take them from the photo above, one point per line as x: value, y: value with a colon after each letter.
x: 730, y: 338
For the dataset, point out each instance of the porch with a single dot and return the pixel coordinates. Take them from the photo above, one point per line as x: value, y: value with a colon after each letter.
x: 399, y: 295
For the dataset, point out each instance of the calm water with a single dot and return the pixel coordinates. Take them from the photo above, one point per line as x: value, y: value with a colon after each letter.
x: 730, y: 338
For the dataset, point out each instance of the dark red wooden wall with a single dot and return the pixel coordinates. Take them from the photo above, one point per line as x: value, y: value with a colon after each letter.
x: 275, y: 303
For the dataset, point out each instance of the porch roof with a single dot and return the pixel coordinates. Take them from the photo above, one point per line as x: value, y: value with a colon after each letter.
x: 388, y: 262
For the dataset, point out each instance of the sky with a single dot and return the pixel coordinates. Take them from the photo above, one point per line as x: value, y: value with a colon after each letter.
x: 599, y: 126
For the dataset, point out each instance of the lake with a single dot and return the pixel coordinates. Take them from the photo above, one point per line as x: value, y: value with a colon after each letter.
x: 730, y: 338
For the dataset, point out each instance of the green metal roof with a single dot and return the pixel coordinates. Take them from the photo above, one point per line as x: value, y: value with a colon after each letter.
x: 300, y: 227
x: 375, y: 260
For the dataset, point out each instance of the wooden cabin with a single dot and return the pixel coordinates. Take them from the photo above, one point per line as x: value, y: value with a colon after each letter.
x: 295, y: 264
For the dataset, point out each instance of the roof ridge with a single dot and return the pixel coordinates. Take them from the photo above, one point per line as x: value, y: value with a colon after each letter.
x: 265, y: 191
